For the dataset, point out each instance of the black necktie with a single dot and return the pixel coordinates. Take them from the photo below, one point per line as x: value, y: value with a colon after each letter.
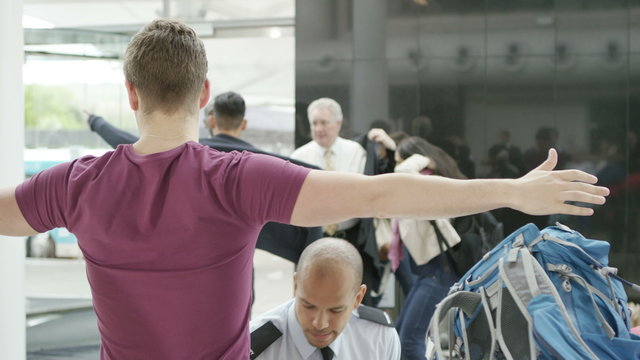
x: 327, y: 353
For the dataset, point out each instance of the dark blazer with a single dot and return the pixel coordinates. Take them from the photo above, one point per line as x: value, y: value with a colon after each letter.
x: 366, y: 241
x: 286, y: 241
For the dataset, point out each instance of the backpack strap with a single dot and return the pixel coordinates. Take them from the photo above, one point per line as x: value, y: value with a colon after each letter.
x: 449, y: 263
x: 262, y: 338
x: 467, y: 303
x: 374, y: 315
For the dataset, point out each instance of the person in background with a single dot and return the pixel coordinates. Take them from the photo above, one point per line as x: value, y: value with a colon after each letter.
x: 331, y: 152
x: 326, y: 318
x: 505, y: 159
x: 418, y: 240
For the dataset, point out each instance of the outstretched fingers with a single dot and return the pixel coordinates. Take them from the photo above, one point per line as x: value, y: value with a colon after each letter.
x: 586, y: 188
x: 583, y: 197
x: 570, y: 209
x: 576, y: 175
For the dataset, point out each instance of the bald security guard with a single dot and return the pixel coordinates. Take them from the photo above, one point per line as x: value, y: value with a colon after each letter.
x: 325, y: 320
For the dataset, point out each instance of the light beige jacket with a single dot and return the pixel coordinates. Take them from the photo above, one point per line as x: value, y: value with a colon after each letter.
x: 418, y: 236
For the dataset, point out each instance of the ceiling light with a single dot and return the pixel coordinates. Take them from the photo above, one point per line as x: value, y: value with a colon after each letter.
x: 275, y: 33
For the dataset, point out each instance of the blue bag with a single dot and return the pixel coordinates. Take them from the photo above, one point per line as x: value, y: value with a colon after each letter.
x: 546, y: 294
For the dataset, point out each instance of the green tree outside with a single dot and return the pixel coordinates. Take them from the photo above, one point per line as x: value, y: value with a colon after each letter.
x: 50, y: 107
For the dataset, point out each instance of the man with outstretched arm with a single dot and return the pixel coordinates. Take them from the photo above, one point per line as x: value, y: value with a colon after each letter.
x: 163, y: 287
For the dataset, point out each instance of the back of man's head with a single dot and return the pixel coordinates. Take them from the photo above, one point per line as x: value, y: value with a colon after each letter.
x: 229, y: 109
x: 167, y: 64
x: 327, y: 104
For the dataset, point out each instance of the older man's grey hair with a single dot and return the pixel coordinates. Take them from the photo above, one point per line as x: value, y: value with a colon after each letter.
x: 325, y: 256
x: 328, y: 104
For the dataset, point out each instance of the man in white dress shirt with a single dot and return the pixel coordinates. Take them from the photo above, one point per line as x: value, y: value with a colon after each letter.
x: 327, y: 150
x: 325, y: 320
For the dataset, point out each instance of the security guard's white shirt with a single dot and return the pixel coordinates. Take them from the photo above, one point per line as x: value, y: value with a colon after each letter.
x: 360, y: 339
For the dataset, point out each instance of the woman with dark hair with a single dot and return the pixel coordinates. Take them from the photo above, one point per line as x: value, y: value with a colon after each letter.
x: 441, y: 163
x: 434, y: 273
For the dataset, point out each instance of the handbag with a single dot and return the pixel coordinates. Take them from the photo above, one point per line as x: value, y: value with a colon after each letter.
x: 478, y: 233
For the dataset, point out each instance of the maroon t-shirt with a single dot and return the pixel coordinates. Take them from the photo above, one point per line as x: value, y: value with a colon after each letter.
x: 168, y: 240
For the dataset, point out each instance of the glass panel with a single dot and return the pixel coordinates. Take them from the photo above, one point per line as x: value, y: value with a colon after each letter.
x: 315, y: 79
x: 403, y: 94
x: 59, y: 92
x: 593, y: 27
x: 519, y: 28
x: 591, y: 105
x: 519, y: 99
x: 327, y: 33
x: 451, y: 96
x: 634, y: 26
x: 402, y: 29
x: 453, y: 28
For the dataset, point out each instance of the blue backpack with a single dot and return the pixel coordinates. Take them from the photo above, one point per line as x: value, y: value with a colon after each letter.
x: 546, y: 294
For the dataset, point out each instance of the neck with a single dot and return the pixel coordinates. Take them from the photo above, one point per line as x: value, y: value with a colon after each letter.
x: 233, y: 133
x: 161, y: 132
x: 329, y: 146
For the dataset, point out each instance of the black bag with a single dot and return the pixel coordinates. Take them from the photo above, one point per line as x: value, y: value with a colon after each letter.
x: 479, y: 233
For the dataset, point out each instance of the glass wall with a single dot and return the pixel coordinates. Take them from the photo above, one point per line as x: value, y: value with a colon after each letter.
x: 496, y: 82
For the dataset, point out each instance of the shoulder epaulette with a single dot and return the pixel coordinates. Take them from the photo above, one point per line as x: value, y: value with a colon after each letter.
x: 262, y: 338
x: 375, y: 315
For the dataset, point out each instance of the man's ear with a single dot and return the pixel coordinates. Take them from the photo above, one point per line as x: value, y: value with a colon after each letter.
x: 205, y: 93
x: 212, y: 122
x: 243, y: 126
x: 360, y: 295
x: 132, y: 94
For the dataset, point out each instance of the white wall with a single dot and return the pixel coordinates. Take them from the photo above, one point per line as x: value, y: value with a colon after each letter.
x: 12, y: 302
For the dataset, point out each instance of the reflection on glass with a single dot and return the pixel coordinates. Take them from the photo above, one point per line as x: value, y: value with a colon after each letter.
x: 505, y: 80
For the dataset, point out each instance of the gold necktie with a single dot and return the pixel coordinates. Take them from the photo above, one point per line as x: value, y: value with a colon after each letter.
x: 328, y: 162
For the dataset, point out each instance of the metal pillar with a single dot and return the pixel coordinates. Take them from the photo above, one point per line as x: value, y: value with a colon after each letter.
x: 370, y: 85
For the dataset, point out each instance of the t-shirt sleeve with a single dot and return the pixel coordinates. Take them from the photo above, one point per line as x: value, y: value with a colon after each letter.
x: 265, y: 188
x: 42, y: 198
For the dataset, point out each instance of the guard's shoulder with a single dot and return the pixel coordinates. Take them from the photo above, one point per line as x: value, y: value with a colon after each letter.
x: 374, y: 315
x: 262, y: 337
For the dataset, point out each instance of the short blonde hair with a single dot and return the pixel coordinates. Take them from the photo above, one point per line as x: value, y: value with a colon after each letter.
x: 167, y: 64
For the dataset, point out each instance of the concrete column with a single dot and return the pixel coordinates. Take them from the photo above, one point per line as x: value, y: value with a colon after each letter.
x: 370, y: 86
x: 12, y: 250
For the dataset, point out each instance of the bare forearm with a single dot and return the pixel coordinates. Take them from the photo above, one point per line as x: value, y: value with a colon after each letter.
x: 330, y: 197
x: 415, y: 196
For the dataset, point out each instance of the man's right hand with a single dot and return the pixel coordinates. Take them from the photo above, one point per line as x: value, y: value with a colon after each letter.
x: 544, y: 191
